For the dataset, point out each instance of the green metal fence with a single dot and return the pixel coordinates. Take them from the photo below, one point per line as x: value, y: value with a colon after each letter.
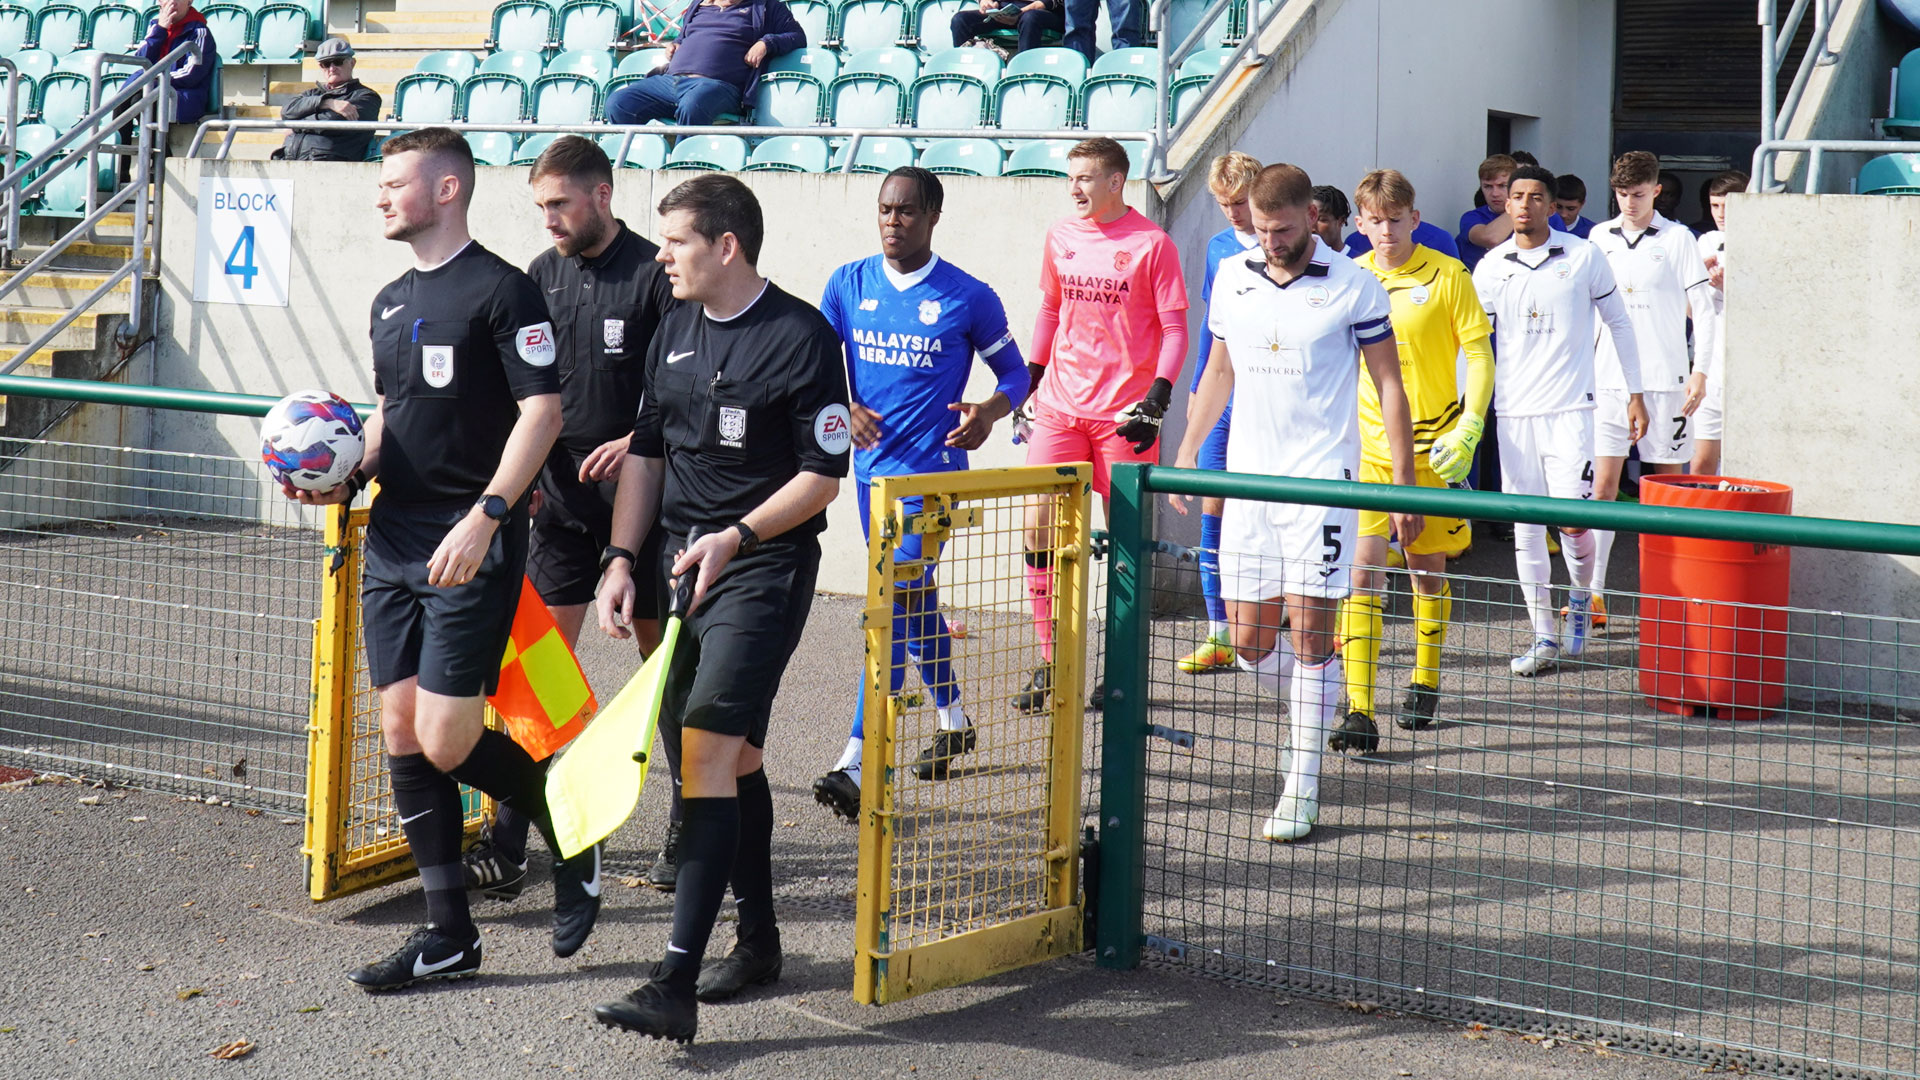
x: 1555, y: 855
x: 156, y: 609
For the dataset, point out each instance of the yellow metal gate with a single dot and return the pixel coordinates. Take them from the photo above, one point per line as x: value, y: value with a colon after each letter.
x: 976, y: 873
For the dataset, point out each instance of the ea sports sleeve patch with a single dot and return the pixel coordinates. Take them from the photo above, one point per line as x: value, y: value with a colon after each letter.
x: 535, y: 344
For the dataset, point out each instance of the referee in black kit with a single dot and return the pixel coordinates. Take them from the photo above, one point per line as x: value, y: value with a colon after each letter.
x: 469, y: 406
x: 607, y: 293
x: 743, y: 436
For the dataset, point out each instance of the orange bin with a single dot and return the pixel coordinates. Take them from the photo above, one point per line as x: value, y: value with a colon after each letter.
x: 1713, y: 632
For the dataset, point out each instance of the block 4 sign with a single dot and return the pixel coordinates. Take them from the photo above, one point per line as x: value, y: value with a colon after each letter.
x: 244, y: 246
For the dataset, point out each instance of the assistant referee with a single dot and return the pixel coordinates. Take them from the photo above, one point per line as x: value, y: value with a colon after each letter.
x: 743, y: 435
x: 607, y: 293
x: 469, y: 406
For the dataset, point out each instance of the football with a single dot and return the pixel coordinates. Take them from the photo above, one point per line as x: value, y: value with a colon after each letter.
x: 311, y: 440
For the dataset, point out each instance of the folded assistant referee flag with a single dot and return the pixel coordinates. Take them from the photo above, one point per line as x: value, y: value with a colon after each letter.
x: 543, y: 696
x: 593, y: 787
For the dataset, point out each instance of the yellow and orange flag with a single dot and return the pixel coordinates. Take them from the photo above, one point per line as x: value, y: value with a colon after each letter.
x: 543, y: 697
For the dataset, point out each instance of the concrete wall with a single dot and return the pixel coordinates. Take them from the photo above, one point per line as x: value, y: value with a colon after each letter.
x: 1407, y: 84
x: 1821, y: 385
x: 993, y: 229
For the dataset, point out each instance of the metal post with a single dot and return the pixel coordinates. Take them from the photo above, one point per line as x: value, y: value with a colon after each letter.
x: 13, y: 132
x: 1769, y: 78
x: 142, y: 176
x: 1123, y: 738
x: 1161, y: 99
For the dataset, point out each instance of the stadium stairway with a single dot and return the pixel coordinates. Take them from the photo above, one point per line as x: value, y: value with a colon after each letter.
x: 397, y: 33
x: 89, y: 348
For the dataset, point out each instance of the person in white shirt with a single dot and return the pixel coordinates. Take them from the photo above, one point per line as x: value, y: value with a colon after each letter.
x: 1543, y: 289
x: 1709, y: 421
x: 1656, y: 263
x: 1291, y: 326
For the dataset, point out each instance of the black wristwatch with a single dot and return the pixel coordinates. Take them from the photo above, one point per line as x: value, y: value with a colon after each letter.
x: 610, y: 553
x: 749, y: 539
x: 493, y: 506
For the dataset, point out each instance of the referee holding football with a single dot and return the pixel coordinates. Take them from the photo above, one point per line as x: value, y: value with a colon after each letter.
x: 741, y: 441
x: 469, y: 406
x: 607, y: 293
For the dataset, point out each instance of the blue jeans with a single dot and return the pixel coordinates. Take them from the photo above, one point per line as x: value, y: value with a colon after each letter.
x: 970, y: 23
x: 1082, y: 15
x: 684, y: 99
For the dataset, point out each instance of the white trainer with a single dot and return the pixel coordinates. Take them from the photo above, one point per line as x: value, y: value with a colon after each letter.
x: 1542, y: 656
x: 1293, y: 818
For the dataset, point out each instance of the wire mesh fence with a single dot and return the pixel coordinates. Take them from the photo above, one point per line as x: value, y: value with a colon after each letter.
x: 1559, y: 853
x: 972, y: 770
x: 156, y: 614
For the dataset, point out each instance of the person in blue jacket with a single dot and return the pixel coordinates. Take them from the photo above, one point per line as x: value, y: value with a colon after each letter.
x: 176, y: 22
x: 714, y: 66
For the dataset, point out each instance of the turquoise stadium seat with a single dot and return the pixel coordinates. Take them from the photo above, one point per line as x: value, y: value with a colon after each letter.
x: 641, y: 61
x: 877, y: 155
x: 29, y: 140
x: 280, y: 33
x: 1905, y: 121
x: 871, y: 90
x: 33, y: 65
x: 232, y: 28
x: 523, y: 25
x: 25, y: 95
x: 793, y: 91
x: 494, y: 97
x: 589, y: 24
x: 963, y: 157
x: 34, y: 62
x: 789, y: 153
x: 1123, y: 92
x: 60, y: 28
x: 451, y: 63
x: 16, y: 29
x: 595, y: 64
x: 1039, y: 90
x: 870, y: 24
x: 529, y: 151
x: 644, y: 152
x: 523, y: 64
x: 1183, y: 16
x: 1191, y: 80
x: 565, y: 98
x: 709, y: 153
x: 1890, y: 174
x: 115, y: 28
x: 815, y: 17
x: 426, y: 97
x: 930, y: 24
x: 63, y: 99
x: 955, y: 89
x: 491, y: 147
x: 1136, y: 159
x: 1038, y: 158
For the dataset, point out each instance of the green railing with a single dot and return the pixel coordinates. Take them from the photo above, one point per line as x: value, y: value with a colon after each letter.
x: 143, y: 397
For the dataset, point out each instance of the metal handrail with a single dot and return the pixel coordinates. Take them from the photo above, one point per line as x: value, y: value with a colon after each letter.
x: 1245, y: 54
x: 854, y: 135
x: 143, y: 100
x: 12, y: 140
x: 1776, y: 116
x: 1816, y: 151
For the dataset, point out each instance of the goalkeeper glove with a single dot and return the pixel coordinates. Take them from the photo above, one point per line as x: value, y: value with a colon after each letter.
x: 1140, y: 425
x: 1451, y: 455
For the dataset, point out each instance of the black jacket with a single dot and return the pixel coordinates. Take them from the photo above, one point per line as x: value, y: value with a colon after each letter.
x: 319, y: 145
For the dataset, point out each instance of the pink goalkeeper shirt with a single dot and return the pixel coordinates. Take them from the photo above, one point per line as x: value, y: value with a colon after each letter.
x: 1106, y: 285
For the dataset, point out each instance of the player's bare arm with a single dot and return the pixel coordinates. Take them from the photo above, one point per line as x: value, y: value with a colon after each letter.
x: 1383, y: 363
x: 463, y: 549
x: 604, y: 462
x: 866, y: 426
x: 798, y: 500
x: 636, y: 504
x: 976, y: 420
x: 1210, y: 400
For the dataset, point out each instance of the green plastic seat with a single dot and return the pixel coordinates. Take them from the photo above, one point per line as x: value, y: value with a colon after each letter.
x: 876, y: 155
x: 963, y: 157
x: 426, y: 97
x: 861, y: 25
x: 1890, y: 174
x: 115, y: 28
x: 523, y: 64
x: 280, y: 33
x: 60, y: 28
x: 1039, y: 90
x: 789, y: 153
x: 232, y: 28
x: 491, y: 147
x: 871, y: 90
x: 494, y: 97
x: 1038, y: 158
x: 644, y: 152
x: 930, y: 23
x: 955, y: 89
x: 1905, y: 121
x: 16, y: 29
x: 565, y: 98
x: 793, y: 90
x: 709, y: 153
x: 595, y: 64
x: 453, y: 63
x: 523, y: 26
x: 589, y: 24
x: 529, y: 151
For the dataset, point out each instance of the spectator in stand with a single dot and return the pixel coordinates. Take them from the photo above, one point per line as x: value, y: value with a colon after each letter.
x: 1034, y: 18
x: 1127, y: 17
x: 1330, y: 204
x: 336, y: 96
x: 176, y: 22
x: 714, y: 66
x: 1569, y: 198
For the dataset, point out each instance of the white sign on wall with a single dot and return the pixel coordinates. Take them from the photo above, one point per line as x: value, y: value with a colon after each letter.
x: 245, y: 244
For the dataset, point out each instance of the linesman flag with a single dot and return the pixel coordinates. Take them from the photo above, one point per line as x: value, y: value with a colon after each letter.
x: 543, y: 697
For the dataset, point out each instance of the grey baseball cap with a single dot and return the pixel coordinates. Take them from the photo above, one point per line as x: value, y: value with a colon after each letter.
x: 333, y: 47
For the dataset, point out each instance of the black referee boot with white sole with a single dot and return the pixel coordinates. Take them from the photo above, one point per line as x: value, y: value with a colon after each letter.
x: 576, y: 900
x: 656, y: 1010
x: 427, y: 955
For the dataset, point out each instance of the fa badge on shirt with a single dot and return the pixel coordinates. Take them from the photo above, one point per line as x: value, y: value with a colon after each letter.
x: 733, y: 425
x: 614, y: 333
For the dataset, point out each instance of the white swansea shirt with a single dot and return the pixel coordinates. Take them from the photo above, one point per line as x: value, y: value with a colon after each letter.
x: 1543, y: 302
x: 1656, y: 271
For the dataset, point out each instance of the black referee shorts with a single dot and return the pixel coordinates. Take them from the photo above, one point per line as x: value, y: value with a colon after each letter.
x: 734, y: 650
x: 452, y: 638
x: 574, y: 525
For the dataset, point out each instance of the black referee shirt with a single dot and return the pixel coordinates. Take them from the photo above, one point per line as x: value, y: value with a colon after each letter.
x: 454, y: 349
x: 604, y: 313
x: 739, y: 407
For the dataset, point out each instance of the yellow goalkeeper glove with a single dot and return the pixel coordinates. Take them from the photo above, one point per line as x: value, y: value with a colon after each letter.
x: 1451, y: 455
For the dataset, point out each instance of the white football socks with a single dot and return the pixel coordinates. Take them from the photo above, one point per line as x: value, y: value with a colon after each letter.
x: 1315, y: 688
x: 1535, y: 571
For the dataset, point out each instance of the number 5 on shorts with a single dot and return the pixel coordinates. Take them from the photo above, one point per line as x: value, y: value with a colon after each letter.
x: 1330, y: 536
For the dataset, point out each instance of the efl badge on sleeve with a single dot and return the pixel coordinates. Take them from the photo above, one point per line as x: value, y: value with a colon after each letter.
x: 733, y: 425
x: 614, y: 333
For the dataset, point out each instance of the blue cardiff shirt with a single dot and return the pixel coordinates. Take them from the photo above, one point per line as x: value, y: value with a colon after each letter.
x: 1471, y: 252
x: 910, y: 345
x: 1426, y: 234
